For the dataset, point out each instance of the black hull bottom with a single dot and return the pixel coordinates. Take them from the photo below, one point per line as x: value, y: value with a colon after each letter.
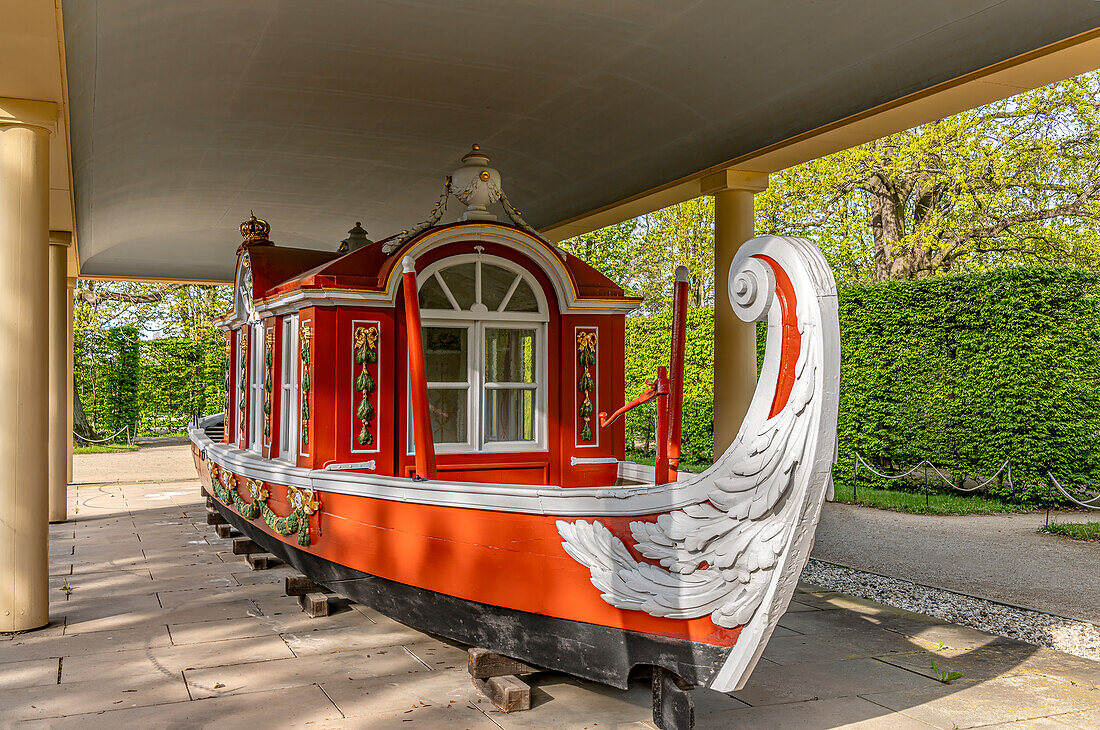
x: 598, y: 653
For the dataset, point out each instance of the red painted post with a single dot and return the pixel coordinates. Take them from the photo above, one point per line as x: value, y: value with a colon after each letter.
x: 418, y: 377
x: 676, y: 362
x: 660, y: 466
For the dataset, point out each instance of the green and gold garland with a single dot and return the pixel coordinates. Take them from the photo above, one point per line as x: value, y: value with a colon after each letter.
x: 306, y: 334
x: 303, y: 502
x: 366, y: 351
x: 269, y: 362
x: 586, y: 356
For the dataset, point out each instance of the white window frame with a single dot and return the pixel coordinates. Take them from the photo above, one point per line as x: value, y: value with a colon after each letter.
x: 256, y: 390
x: 288, y: 391
x: 476, y: 321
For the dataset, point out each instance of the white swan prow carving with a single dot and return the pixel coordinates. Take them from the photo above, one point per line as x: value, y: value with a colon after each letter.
x: 736, y: 554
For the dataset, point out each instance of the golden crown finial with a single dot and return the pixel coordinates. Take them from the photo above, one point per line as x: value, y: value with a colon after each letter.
x: 255, y: 229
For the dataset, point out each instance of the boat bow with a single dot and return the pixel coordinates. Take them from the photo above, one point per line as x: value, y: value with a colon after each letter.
x: 736, y: 553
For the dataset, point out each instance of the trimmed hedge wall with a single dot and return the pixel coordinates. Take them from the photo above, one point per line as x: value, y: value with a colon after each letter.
x: 965, y: 370
x: 648, y: 340
x: 159, y: 385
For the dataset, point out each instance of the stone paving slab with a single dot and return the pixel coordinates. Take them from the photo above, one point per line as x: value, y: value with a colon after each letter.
x: 164, y: 627
x: 172, y: 660
x: 29, y: 673
x: 974, y: 703
x: 297, y: 707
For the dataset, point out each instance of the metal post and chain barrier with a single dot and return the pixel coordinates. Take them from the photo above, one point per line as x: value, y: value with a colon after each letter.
x: 1001, y: 475
x: 1085, y: 497
x: 1091, y: 502
x: 129, y: 437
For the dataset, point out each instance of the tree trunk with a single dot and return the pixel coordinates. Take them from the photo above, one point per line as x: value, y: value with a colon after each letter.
x: 80, y: 422
x: 891, y: 261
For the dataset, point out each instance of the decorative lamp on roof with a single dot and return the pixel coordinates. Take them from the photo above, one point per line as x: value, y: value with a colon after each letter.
x: 357, y: 239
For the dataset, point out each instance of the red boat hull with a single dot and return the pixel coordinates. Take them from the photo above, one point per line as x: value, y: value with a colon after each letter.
x: 461, y: 572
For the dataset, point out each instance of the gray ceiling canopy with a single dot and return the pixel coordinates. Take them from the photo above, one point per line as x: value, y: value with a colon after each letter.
x: 186, y: 115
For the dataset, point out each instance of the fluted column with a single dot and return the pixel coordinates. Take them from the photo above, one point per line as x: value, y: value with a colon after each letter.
x: 60, y: 441
x: 25, y: 128
x: 734, y: 340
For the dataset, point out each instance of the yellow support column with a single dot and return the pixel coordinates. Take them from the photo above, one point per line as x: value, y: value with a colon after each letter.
x: 25, y: 128
x: 734, y: 340
x: 60, y: 429
x: 69, y: 390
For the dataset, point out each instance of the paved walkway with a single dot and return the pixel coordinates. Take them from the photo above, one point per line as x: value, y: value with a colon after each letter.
x: 997, y: 556
x: 157, y: 624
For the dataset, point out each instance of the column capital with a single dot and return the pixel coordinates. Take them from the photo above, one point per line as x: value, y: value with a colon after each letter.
x: 61, y: 238
x: 716, y: 182
x: 28, y: 113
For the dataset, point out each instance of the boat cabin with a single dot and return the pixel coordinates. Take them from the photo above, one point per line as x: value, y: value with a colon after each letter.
x: 522, y: 349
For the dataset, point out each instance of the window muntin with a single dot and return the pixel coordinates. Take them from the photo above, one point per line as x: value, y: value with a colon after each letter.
x: 485, y: 351
x: 288, y: 391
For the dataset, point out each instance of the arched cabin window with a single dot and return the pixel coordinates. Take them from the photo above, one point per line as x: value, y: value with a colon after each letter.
x: 484, y: 321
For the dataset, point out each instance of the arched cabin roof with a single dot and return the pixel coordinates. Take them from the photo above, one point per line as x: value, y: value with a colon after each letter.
x: 285, y: 279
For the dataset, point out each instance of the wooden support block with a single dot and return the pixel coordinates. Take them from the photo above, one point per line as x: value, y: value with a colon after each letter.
x: 224, y: 531
x: 214, y: 517
x: 508, y: 694
x: 673, y: 702
x: 258, y: 561
x: 314, y: 604
x: 245, y: 546
x: 209, y: 502
x: 300, y: 585
x: 483, y: 663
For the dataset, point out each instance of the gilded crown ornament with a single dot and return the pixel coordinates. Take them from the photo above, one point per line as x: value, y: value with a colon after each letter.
x: 255, y: 232
x: 254, y: 229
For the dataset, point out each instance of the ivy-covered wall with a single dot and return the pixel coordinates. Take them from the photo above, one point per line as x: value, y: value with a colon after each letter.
x: 965, y: 370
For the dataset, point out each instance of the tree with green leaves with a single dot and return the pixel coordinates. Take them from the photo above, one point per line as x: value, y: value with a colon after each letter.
x: 642, y: 254
x: 1011, y: 183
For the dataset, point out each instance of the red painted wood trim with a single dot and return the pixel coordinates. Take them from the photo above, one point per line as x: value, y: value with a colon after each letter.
x: 660, y: 464
x: 418, y: 378
x: 676, y: 384
x: 792, y: 340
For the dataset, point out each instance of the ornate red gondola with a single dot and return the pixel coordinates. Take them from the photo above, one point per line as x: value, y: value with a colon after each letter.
x: 420, y: 424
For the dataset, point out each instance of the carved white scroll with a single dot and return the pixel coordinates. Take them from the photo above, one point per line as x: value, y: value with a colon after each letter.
x: 736, y: 554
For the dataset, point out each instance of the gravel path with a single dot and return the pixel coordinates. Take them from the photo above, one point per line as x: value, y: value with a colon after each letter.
x: 1033, y: 627
x: 998, y: 556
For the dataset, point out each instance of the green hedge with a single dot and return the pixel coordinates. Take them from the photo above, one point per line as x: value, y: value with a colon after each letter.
x: 159, y: 385
x: 965, y: 370
x: 121, y: 379
x: 969, y: 370
x: 648, y: 340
